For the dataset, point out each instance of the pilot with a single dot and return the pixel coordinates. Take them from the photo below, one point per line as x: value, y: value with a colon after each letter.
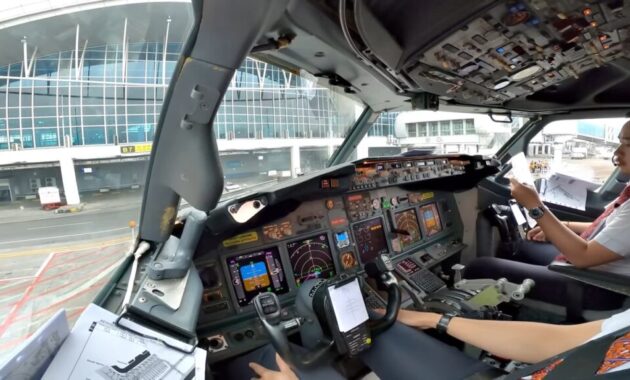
x: 603, y: 244
x: 401, y: 353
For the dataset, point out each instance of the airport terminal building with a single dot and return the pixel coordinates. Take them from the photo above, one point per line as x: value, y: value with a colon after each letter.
x: 80, y: 113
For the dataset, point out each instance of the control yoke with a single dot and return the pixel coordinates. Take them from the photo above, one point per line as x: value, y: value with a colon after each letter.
x: 321, y: 321
x: 268, y: 308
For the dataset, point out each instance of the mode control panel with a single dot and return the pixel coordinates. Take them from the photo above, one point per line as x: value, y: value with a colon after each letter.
x: 372, y: 174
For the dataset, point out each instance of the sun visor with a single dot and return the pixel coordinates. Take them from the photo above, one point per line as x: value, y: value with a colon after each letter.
x: 378, y: 39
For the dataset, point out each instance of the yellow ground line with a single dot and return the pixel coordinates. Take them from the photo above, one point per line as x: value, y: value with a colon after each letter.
x: 63, y: 248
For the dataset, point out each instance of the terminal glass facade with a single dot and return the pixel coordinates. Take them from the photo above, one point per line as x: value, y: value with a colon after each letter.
x: 114, y: 94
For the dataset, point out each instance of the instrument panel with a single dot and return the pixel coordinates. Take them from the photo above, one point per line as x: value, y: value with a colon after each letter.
x: 327, y: 223
x: 348, y: 215
x: 323, y: 238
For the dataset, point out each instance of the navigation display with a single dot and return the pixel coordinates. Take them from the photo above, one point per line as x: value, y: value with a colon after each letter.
x: 311, y: 258
x: 370, y: 239
x: 256, y: 272
x: 407, y: 222
x: 408, y: 267
x: 430, y: 219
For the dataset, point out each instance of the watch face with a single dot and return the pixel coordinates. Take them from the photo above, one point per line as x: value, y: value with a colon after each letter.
x: 536, y: 213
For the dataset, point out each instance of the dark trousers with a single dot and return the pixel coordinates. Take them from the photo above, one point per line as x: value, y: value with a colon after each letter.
x: 531, y: 261
x: 400, y: 353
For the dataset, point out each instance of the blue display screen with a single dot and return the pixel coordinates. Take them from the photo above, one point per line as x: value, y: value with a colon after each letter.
x: 342, y: 236
x: 253, y: 270
x: 256, y: 272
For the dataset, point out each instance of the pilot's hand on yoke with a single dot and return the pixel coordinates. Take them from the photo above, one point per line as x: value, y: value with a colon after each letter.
x: 418, y: 319
x: 285, y: 372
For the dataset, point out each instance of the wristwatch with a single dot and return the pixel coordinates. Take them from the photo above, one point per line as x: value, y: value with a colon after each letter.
x: 536, y: 212
x: 442, y: 324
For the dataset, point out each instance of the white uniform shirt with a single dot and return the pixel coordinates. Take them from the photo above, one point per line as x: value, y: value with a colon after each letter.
x: 615, y: 235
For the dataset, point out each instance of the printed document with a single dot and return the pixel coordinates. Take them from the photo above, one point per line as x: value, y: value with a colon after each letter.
x: 98, y: 349
x: 520, y: 169
x: 565, y: 190
x: 348, y: 304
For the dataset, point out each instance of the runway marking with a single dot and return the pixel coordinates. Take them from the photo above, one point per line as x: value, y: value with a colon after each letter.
x: 65, y: 248
x: 13, y: 288
x: 74, y: 295
x: 74, y: 280
x: 8, y: 302
x: 58, y: 226
x: 14, y: 310
x: 16, y: 278
x: 65, y: 236
x: 71, y: 313
x: 73, y: 269
x: 75, y: 313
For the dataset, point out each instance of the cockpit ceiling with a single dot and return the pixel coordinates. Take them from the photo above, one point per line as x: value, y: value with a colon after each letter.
x: 530, y: 55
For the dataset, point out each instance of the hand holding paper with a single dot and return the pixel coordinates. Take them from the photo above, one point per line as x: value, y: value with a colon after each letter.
x: 520, y: 169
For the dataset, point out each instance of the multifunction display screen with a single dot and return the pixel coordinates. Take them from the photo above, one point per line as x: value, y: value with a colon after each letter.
x: 311, y: 258
x: 256, y: 272
x: 370, y: 239
x: 407, y: 227
x: 430, y: 219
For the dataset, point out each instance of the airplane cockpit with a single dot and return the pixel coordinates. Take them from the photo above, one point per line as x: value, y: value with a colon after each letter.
x: 390, y: 224
x: 326, y: 260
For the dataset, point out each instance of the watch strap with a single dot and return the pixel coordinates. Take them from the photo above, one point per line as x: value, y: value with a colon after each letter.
x: 442, y: 324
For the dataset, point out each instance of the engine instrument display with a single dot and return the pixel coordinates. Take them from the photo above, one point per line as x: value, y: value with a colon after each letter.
x: 407, y: 222
x: 256, y: 272
x: 370, y: 239
x: 431, y: 219
x: 311, y: 258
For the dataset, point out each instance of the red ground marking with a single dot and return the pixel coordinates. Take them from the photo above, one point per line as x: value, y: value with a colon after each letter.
x: 7, y: 306
x: 56, y: 304
x: 74, y: 281
x: 16, y: 278
x: 12, y: 314
x: 88, y: 251
x: 74, y: 269
x: 12, y: 289
x: 14, y: 342
x: 76, y: 313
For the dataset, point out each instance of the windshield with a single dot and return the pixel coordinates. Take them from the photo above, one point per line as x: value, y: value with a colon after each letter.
x: 429, y: 132
x: 578, y: 148
x: 81, y: 90
x: 274, y: 124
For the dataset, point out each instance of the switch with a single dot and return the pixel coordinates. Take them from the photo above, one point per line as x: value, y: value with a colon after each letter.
x: 479, y: 39
x: 450, y: 48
